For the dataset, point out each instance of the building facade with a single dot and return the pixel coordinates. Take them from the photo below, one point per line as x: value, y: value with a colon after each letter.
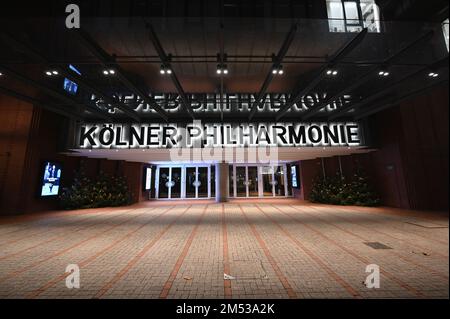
x: 207, y: 100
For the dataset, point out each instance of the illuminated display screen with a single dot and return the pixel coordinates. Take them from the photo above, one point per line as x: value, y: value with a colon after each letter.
x: 51, y: 179
x: 294, y: 176
x: 70, y: 87
x: 148, y: 178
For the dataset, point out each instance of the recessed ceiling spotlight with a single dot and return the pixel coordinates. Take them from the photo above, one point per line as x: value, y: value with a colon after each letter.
x: 108, y: 72
x: 278, y: 70
x: 164, y: 69
x: 1, y: 73
x: 332, y: 72
x: 222, y: 69
x: 433, y: 75
x: 383, y: 73
x: 51, y: 72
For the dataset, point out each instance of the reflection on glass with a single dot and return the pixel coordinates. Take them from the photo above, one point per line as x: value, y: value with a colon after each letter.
x: 175, y: 192
x: 213, y: 181
x: 202, y: 182
x: 289, y: 178
x: 231, y: 179
x: 190, y: 182
x: 335, y: 16
x: 164, y: 183
x: 279, y: 181
x: 351, y: 12
x: 266, y: 172
x: 252, y: 181
x: 241, y: 188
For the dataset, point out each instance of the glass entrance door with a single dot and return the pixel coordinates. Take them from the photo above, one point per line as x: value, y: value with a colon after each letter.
x: 241, y: 182
x: 267, y: 181
x: 164, y: 182
x: 202, y: 182
x: 258, y: 181
x: 191, y: 178
x: 252, y: 181
x: 175, y: 190
x: 279, y: 180
x: 169, y: 184
x: 183, y: 182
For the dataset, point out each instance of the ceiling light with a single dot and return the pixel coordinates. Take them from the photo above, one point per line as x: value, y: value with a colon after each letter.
x: 383, y: 73
x: 48, y: 73
x: 433, y: 75
x: 332, y: 72
x: 278, y: 70
x: 112, y: 71
x: 105, y: 72
x: 54, y: 72
x: 222, y: 69
x: 1, y: 73
x: 165, y: 69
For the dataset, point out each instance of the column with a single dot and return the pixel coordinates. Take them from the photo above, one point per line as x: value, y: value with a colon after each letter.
x: 222, y: 180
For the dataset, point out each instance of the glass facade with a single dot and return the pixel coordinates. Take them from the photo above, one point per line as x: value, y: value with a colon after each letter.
x: 353, y: 16
x: 245, y: 181
x: 251, y: 180
x: 180, y: 181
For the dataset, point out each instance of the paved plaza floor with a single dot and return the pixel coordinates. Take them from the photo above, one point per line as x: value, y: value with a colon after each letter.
x: 240, y: 249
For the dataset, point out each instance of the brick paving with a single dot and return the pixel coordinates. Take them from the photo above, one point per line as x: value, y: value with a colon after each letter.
x: 270, y: 248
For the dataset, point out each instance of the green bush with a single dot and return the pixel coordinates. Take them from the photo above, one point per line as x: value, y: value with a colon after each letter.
x: 102, y: 191
x: 337, y: 190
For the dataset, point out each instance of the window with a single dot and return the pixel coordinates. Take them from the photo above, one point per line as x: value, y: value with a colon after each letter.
x: 353, y: 15
x: 445, y: 30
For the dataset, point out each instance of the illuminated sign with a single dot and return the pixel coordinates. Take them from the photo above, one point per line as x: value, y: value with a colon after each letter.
x: 294, y: 176
x: 200, y: 135
x: 214, y: 102
x: 148, y: 178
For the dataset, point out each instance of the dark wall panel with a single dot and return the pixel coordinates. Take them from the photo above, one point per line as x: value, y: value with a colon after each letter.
x: 15, y: 123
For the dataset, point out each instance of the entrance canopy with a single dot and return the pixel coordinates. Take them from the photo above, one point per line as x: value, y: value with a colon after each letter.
x: 230, y: 155
x: 168, y: 70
